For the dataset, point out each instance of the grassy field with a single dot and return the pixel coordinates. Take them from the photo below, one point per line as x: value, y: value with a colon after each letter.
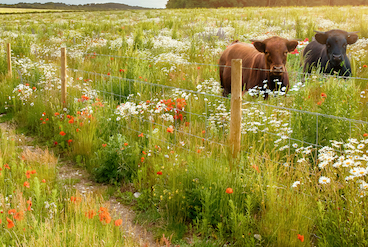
x: 144, y: 110
x: 19, y: 10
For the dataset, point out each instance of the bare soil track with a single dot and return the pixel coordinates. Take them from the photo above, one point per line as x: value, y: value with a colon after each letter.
x: 136, y: 235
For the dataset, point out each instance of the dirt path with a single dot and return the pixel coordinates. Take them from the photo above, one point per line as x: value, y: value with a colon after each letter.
x: 136, y: 235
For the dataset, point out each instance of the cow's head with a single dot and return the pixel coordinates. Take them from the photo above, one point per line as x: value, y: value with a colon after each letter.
x: 275, y: 50
x: 336, y: 42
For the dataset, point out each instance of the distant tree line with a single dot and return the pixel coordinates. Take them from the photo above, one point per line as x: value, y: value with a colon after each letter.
x: 172, y: 4
x: 79, y: 7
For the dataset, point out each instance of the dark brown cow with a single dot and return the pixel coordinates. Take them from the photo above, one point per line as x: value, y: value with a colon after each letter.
x: 263, y: 62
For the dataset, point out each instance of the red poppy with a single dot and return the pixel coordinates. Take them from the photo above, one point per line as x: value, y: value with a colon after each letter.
x: 26, y: 184
x: 33, y: 172
x: 62, y: 133
x: 70, y: 141
x: 28, y: 174
x: 34, y: 88
x: 90, y: 214
x: 118, y: 222
x: 19, y: 215
x: 12, y: 211
x: 43, y: 180
x: 301, y: 237
x: 364, y: 66
x: 198, y: 150
x: 55, y: 143
x: 29, y: 202
x: 229, y: 190
x: 140, y: 135
x: 10, y: 223
x: 365, y: 134
x: 159, y: 173
x: 6, y: 166
x: 170, y: 130
x: 125, y: 144
x: 104, y: 145
x: 142, y: 159
x: 323, y: 95
x: 57, y: 114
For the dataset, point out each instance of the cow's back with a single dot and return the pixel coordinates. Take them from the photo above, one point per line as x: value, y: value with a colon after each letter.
x: 313, y: 54
x: 251, y: 58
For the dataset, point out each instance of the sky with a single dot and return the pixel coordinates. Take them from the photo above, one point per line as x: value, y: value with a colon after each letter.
x: 141, y: 3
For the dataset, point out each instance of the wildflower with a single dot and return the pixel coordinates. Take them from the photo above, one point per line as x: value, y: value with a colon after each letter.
x: 70, y: 141
x: 323, y: 95
x: 142, y: 159
x: 108, y: 73
x: 56, y: 114
x: 360, y: 146
x: 364, y: 66
x: 229, y: 190
x: 28, y: 174
x: 10, y: 223
x: 140, y: 135
x: 295, y: 52
x: 255, y: 167
x: 324, y: 180
x: 34, y: 88
x: 6, y: 166
x: 19, y: 215
x: 118, y: 222
x: 159, y: 173
x: 170, y: 130
x: 301, y: 237
x: 55, y: 143
x: 71, y: 121
x: 29, y: 202
x: 102, y: 209
x: 62, y: 133
x: 90, y: 214
x: 104, y: 145
x: 125, y: 144
x: 203, y: 131
x: 295, y: 184
x: 43, y: 180
x: 12, y: 211
x: 198, y: 151
x: 77, y: 130
x: 143, y: 152
x: 26, y: 184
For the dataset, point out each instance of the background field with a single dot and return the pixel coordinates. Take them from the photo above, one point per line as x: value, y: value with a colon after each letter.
x: 144, y: 109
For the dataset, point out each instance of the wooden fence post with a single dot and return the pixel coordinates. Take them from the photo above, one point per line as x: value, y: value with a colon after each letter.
x: 9, y: 59
x: 63, y: 76
x: 236, y: 106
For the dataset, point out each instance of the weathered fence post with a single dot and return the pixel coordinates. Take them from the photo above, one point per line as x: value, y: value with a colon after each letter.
x: 236, y: 106
x: 63, y: 76
x: 9, y: 59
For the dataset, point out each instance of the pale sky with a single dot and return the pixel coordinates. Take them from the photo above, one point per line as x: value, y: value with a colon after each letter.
x: 141, y: 3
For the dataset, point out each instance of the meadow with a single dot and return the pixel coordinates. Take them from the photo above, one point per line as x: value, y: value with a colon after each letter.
x: 20, y: 10
x: 144, y: 110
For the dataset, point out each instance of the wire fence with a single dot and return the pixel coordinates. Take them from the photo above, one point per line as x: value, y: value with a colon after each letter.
x: 208, y: 127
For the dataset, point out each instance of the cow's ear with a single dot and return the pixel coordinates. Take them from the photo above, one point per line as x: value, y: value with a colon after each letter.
x: 291, y: 45
x: 259, y: 45
x: 321, y: 37
x: 352, y: 38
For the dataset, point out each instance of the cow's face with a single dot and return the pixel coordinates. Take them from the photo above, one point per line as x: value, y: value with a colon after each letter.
x: 336, y: 42
x: 275, y: 50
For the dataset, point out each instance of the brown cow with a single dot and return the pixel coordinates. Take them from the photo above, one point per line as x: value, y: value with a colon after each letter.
x: 263, y: 62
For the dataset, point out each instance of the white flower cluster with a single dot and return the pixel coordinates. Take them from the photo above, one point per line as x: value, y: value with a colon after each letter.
x: 23, y: 92
x: 210, y: 86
